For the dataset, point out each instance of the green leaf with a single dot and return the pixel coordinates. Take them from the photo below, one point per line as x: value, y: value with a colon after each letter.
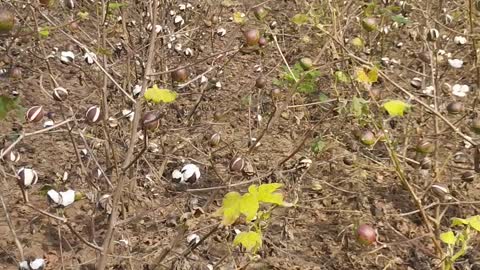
x: 342, y: 77
x: 239, y: 17
x: 300, y: 19
x: 396, y: 107
x: 251, y: 241
x: 249, y: 206
x: 400, y: 19
x: 6, y: 105
x: 474, y: 222
x: 113, y: 6
x: 44, y: 32
x: 359, y: 107
x: 318, y: 146
x: 230, y: 209
x: 448, y: 238
x: 156, y: 95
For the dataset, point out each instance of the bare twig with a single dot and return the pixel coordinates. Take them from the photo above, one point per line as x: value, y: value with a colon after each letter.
x: 12, y: 229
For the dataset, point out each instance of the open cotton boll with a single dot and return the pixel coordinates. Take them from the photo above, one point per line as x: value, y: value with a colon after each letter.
x: 455, y: 63
x: 459, y: 40
x: 61, y: 198
x: 191, y: 173
x: 177, y: 176
x: 37, y: 264
x: 67, y: 57
x: 460, y: 90
x: 23, y: 266
x: 54, y: 196
x: 68, y: 197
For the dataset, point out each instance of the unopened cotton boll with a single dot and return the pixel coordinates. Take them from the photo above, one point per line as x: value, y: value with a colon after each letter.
x: 27, y: 177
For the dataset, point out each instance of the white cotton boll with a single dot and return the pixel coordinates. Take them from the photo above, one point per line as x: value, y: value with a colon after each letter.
x: 191, y: 173
x: 178, y: 47
x: 158, y: 28
x: 137, y: 89
x: 455, y: 63
x: 221, y: 31
x: 428, y: 90
x: 68, y: 197
x: 179, y: 20
x: 182, y: 7
x: 177, y: 176
x: 37, y: 264
x: 467, y: 144
x: 67, y: 57
x: 90, y: 58
x: 54, y: 196
x: 23, y: 266
x: 203, y: 79
x: 172, y: 12
x: 129, y: 114
x: 48, y: 123
x: 460, y: 90
x: 218, y: 85
x: 193, y: 239
x: 188, y: 52
x: 459, y: 40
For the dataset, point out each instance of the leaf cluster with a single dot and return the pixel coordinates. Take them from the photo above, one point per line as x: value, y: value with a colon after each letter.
x: 303, y: 81
x: 247, y: 205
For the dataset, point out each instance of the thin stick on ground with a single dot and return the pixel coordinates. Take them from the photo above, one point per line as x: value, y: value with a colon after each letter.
x: 11, y: 227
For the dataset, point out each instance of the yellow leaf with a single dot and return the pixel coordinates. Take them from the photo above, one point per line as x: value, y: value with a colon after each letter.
x: 362, y: 76
x: 251, y: 241
x: 448, y: 238
x: 265, y: 193
x: 396, y: 107
x: 239, y: 17
x: 230, y: 208
x: 373, y: 75
x: 157, y: 95
x: 249, y: 206
x: 474, y: 222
